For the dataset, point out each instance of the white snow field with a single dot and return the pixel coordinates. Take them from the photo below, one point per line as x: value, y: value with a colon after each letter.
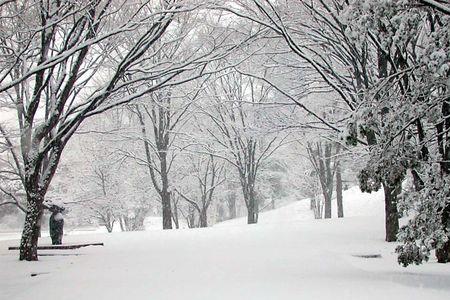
x: 288, y: 255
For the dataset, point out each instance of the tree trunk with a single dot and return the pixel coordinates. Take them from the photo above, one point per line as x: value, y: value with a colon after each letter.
x: 391, y: 213
x: 175, y: 220
x: 340, y: 207
x: 191, y: 216
x: 109, y: 227
x: 32, y: 229
x: 139, y: 220
x: 315, y: 207
x: 323, y: 167
x: 252, y: 216
x: 175, y: 214
x: 232, y: 207
x: 203, y: 218
x: 165, y: 194
x: 121, y: 223
x: 327, y: 204
x: 256, y: 211
x: 166, y: 210
x: 443, y: 253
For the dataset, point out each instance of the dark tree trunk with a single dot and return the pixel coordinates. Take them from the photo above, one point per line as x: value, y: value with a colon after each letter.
x: 251, y: 217
x: 340, y: 204
x: 327, y: 207
x: 391, y: 218
x: 328, y: 192
x: 390, y: 190
x: 160, y: 117
x: 32, y: 229
x: 252, y: 213
x: 443, y: 253
x: 166, y: 210
x: 417, y: 181
x: 165, y: 194
x: 203, y: 218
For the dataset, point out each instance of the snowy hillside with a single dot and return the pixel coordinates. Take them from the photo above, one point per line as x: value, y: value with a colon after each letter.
x: 289, y: 255
x: 355, y: 204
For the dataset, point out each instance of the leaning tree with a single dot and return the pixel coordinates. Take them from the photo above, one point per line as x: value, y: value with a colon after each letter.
x: 58, y: 69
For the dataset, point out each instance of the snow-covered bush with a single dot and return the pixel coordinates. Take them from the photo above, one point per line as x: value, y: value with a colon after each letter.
x: 424, y: 232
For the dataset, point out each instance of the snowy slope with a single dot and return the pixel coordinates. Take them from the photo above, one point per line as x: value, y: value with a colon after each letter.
x: 284, y: 257
x: 355, y: 204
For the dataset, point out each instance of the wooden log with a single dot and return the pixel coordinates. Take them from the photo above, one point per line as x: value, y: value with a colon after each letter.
x: 61, y: 247
x: 367, y: 255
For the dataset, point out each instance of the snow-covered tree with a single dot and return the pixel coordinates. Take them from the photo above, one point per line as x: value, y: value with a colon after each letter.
x: 408, y: 110
x: 238, y: 117
x: 206, y: 173
x: 59, y: 67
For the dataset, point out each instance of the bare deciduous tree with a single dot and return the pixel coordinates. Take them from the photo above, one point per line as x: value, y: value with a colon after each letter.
x: 236, y: 130
x: 208, y: 172
x: 58, y: 70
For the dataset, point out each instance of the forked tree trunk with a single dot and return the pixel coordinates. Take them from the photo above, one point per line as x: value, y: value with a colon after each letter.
x: 391, y: 212
x: 321, y: 159
x: 32, y: 229
x: 340, y: 204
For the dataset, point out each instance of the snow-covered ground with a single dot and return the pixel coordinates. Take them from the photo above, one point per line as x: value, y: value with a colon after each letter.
x: 288, y: 255
x: 356, y: 204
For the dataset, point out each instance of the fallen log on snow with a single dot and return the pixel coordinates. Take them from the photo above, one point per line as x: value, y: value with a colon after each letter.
x: 61, y: 247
